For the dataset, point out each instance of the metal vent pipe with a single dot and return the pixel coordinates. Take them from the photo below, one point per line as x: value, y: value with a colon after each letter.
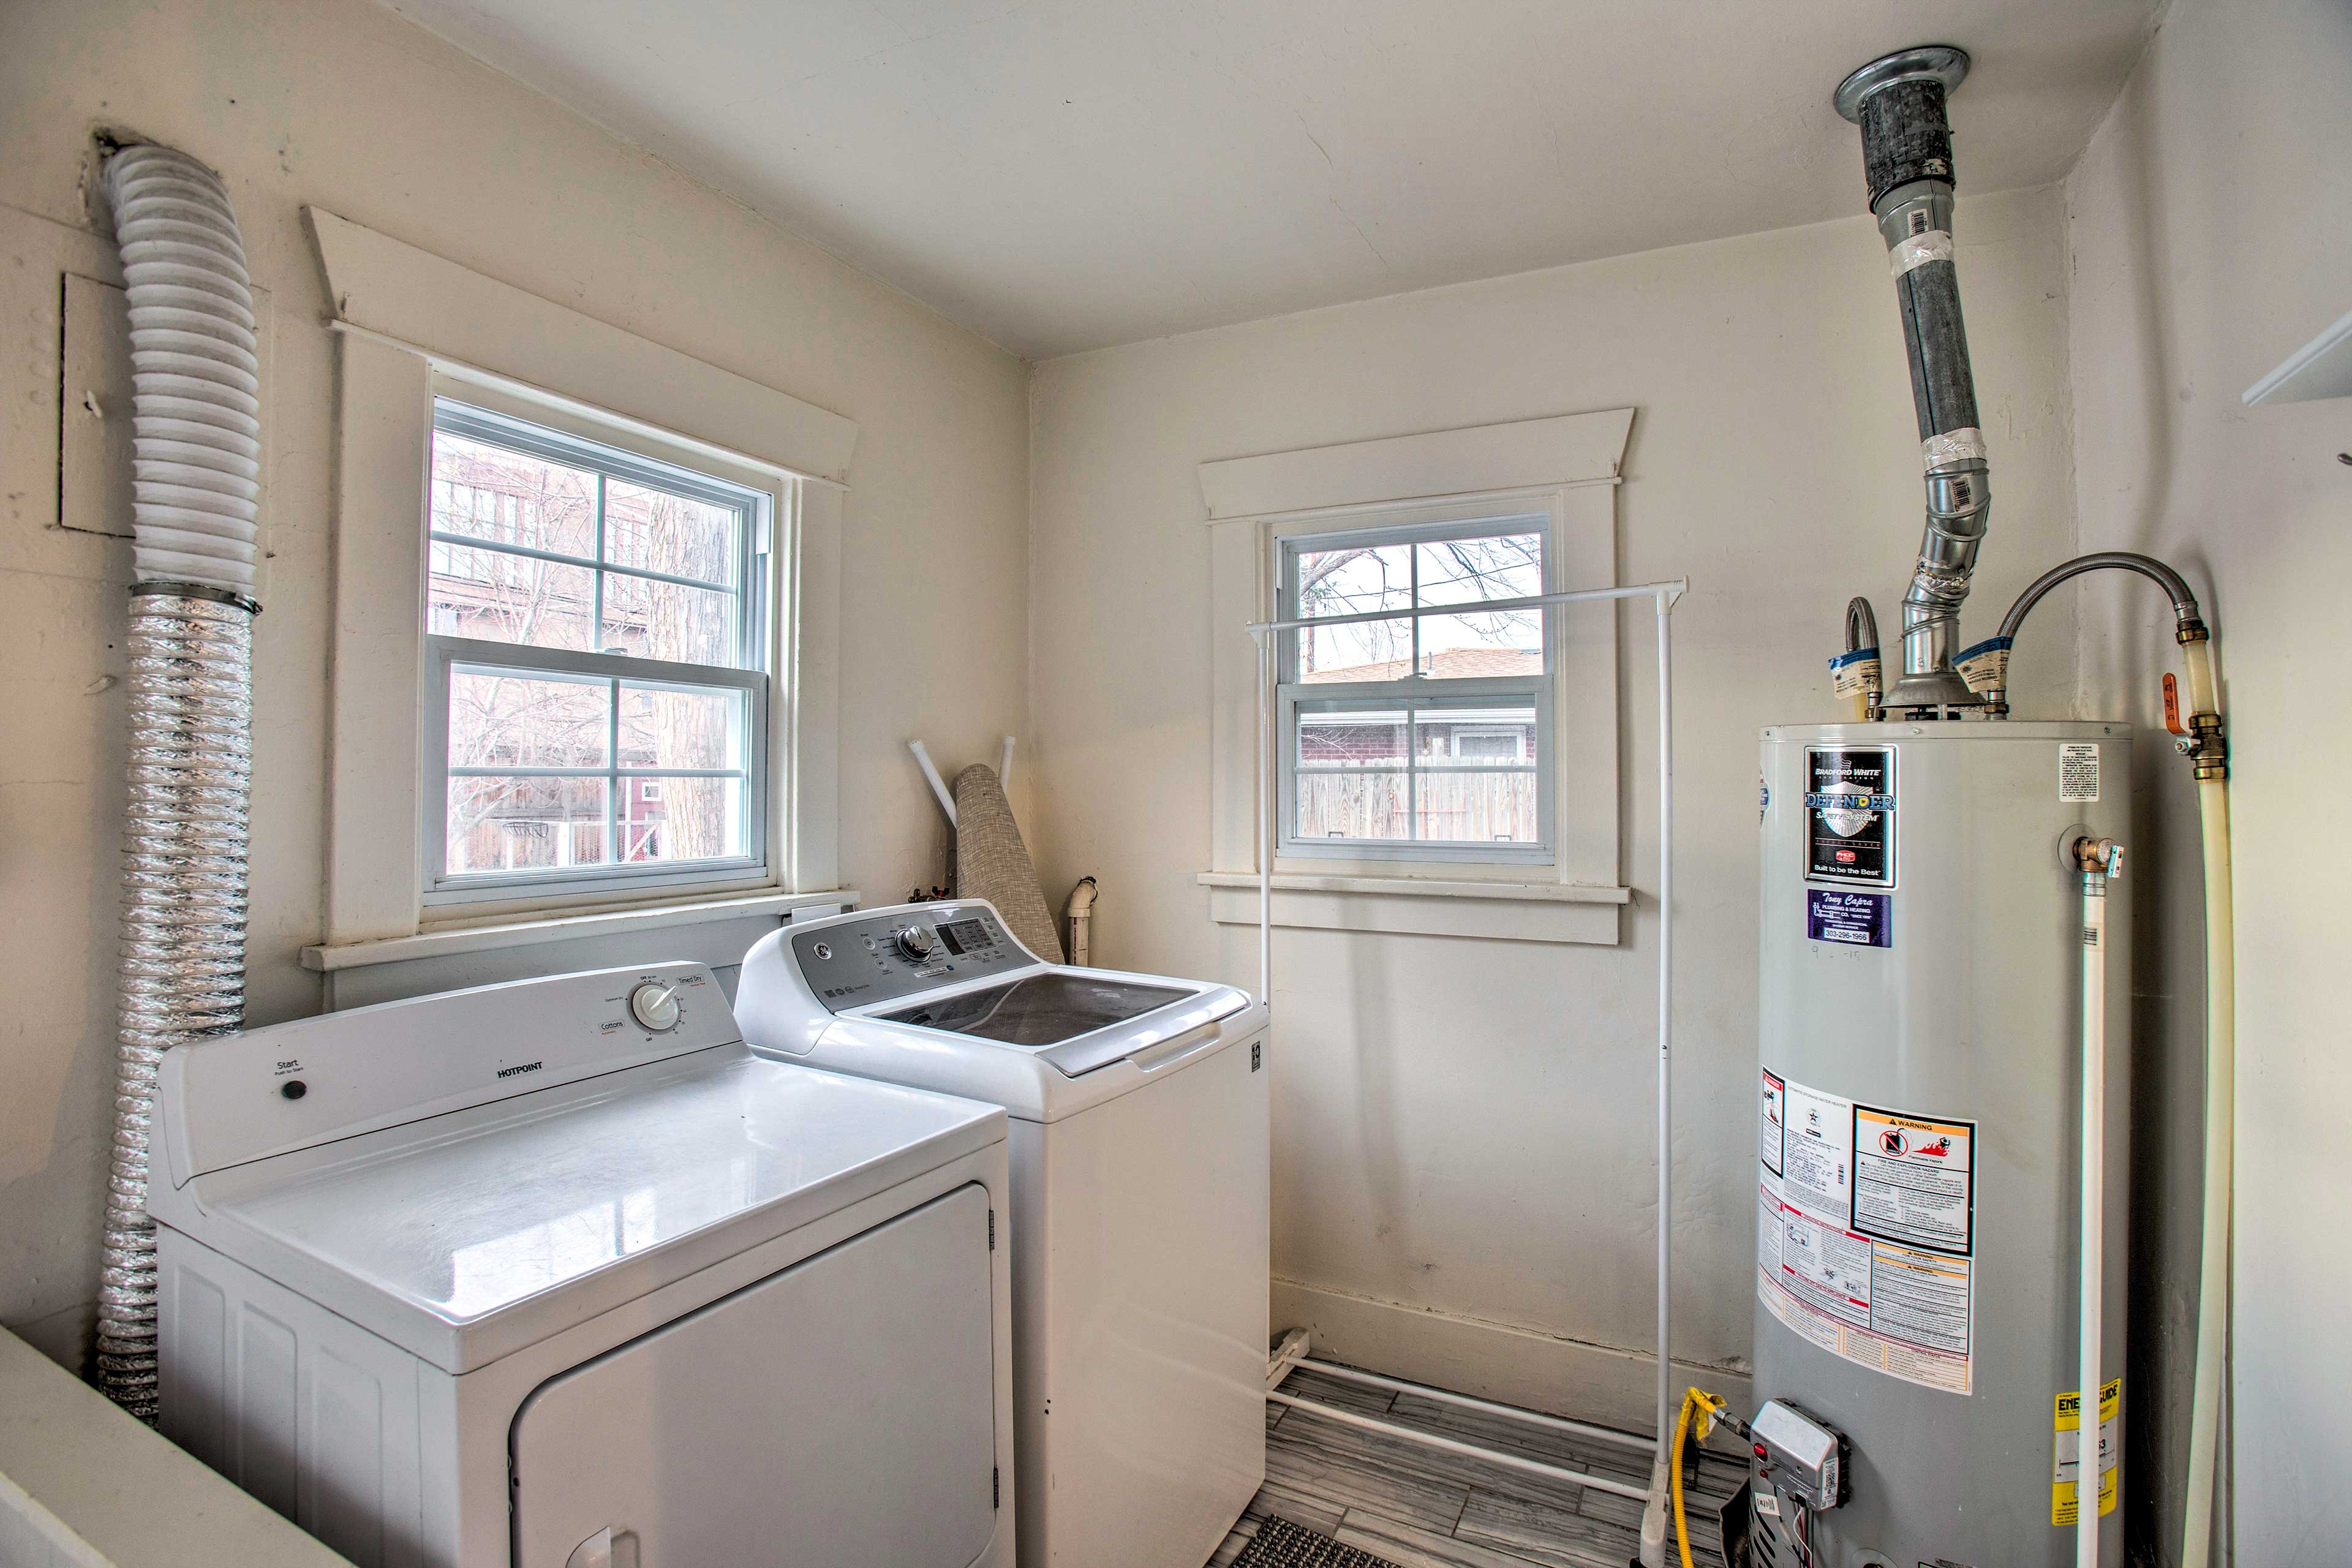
x: 1907, y: 148
x: 196, y: 426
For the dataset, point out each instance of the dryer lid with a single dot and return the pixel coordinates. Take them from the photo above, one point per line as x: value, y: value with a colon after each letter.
x: 470, y: 1235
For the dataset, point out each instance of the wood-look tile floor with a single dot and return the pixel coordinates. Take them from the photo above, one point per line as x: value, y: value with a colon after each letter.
x: 1423, y: 1508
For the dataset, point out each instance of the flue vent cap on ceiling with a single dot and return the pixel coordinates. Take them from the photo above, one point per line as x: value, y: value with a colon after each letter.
x: 1927, y: 62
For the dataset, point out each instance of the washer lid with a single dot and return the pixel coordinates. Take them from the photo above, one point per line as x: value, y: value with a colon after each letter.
x: 1076, y: 1020
x: 470, y: 1236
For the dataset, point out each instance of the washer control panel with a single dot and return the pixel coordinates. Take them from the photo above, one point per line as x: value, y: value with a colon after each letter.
x: 899, y: 953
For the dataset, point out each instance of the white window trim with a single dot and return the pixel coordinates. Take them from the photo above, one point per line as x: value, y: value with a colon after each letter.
x: 446, y: 897
x: 396, y: 307
x: 1567, y: 464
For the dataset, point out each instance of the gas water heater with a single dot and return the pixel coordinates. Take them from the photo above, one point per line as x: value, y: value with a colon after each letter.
x: 1918, y: 1118
x: 1945, y: 1001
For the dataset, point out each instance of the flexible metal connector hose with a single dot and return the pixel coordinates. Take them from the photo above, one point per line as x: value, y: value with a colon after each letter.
x: 196, y: 435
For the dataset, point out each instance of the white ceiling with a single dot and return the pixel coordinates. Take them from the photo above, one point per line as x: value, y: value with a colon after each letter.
x: 1063, y: 174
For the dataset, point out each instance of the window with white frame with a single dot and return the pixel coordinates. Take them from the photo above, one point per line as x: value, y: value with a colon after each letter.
x: 1409, y: 737
x: 598, y: 639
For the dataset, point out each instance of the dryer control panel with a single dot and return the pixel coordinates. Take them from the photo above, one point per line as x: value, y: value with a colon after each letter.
x: 891, y: 953
x: 270, y: 1091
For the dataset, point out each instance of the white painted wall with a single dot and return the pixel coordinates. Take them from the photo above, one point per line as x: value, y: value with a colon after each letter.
x: 340, y: 103
x: 1463, y: 1153
x: 2209, y: 226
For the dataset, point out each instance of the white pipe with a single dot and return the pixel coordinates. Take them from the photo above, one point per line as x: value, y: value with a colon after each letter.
x: 1080, y: 910
x: 1264, y: 786
x: 1655, y: 1511
x: 1451, y: 1445
x: 1004, y: 764
x: 1665, y: 593
x: 1508, y: 1412
x: 2092, y: 1236
x: 931, y: 775
x: 2221, y: 1112
x: 1662, y: 596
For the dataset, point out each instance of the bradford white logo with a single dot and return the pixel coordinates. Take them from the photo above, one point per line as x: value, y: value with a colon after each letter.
x: 520, y: 1067
x: 1847, y: 814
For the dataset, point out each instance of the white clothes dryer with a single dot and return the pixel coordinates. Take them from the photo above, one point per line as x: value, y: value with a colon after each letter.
x: 560, y: 1274
x: 1138, y: 1224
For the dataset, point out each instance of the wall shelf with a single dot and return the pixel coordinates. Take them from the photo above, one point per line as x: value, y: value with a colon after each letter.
x: 2321, y: 368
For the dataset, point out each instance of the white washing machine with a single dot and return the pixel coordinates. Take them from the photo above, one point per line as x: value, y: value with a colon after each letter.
x: 560, y: 1274
x: 1139, y: 1159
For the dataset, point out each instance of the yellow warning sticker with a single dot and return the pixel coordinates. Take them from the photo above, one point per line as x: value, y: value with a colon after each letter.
x: 2067, y: 1468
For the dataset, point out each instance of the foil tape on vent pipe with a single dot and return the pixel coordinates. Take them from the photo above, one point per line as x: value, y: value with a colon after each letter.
x: 196, y: 427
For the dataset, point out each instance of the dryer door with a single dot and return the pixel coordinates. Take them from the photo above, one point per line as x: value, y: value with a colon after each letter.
x: 838, y: 1414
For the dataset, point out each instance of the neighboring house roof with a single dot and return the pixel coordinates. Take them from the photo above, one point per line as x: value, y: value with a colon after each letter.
x: 1445, y: 664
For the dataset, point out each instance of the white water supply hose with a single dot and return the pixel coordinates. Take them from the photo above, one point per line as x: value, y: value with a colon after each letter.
x: 2221, y: 1112
x: 196, y: 423
x: 2097, y: 859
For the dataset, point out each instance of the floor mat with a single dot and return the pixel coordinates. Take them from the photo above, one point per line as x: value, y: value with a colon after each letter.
x: 1282, y: 1544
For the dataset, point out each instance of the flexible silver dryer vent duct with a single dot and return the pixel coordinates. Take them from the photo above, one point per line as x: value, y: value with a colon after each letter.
x: 1906, y: 150
x: 196, y: 423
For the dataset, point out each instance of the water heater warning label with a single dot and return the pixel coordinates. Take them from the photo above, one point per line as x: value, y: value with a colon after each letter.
x: 1850, y: 816
x: 1912, y: 1180
x: 2078, y: 771
x: 1865, y: 1232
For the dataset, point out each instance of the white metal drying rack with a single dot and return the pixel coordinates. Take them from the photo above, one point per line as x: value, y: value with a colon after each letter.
x: 1661, y: 596
x: 938, y: 785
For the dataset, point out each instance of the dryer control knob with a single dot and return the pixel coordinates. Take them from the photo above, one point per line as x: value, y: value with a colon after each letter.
x: 654, y: 1005
x: 914, y: 942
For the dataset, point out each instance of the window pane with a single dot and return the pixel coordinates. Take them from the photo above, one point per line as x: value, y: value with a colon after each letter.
x: 1497, y: 566
x: 1373, y: 650
x: 681, y: 818
x: 499, y: 597
x: 1352, y: 805
x: 487, y: 492
x: 681, y: 727
x: 524, y: 824
x: 1354, y: 580
x: 646, y: 619
x: 662, y: 532
x: 501, y: 719
x: 1352, y: 738
x: 1500, y: 736
x: 1478, y: 647
x: 1489, y: 806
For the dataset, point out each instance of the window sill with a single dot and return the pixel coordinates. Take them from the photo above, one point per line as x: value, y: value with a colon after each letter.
x: 451, y: 942
x: 1499, y: 912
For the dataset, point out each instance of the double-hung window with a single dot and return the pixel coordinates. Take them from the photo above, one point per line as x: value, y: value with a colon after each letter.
x: 1421, y: 737
x: 598, y: 635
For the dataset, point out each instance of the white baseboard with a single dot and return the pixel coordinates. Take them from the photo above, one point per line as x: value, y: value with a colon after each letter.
x: 1492, y: 1361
